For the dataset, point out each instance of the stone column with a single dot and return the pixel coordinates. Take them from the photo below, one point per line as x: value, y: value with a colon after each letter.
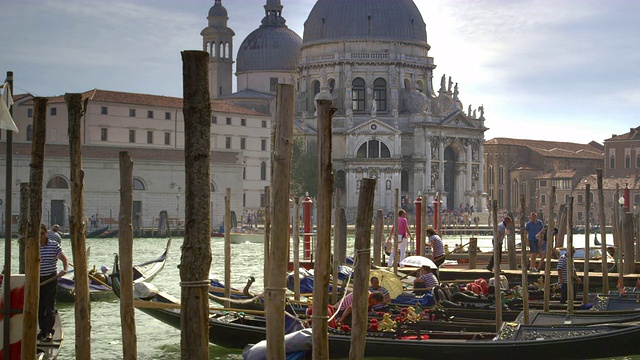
x: 480, y: 187
x: 427, y: 148
x: 469, y: 177
x: 441, y: 171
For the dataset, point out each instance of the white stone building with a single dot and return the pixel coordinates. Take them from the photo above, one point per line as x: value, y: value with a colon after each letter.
x: 371, y: 57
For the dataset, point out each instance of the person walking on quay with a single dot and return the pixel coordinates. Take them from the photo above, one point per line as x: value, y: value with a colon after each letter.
x: 403, y: 233
x: 50, y: 253
x: 563, y: 276
x: 502, y: 230
x: 533, y: 228
x: 542, y: 238
x: 436, y: 245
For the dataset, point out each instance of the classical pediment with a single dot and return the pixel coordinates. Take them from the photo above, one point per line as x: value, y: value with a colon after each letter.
x: 458, y: 119
x: 373, y: 127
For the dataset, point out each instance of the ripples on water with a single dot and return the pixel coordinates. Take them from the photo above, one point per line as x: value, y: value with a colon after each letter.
x: 157, y: 341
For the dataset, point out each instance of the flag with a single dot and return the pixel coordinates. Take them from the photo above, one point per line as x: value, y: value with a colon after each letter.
x: 6, y: 121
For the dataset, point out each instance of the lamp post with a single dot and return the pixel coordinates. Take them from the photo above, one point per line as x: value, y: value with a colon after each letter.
x: 178, y: 204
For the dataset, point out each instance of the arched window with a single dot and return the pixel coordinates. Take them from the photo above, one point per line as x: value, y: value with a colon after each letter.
x: 29, y: 132
x: 213, y: 187
x: 380, y: 94
x: 212, y: 49
x: 514, y: 194
x: 420, y: 86
x: 358, y: 92
x: 316, y: 88
x: 332, y: 85
x: 373, y: 149
x: 138, y: 184
x: 220, y: 53
x: 263, y: 171
x: 407, y: 84
x: 57, y: 182
x: 490, y: 175
x: 226, y: 51
x: 627, y: 162
x: 612, y: 162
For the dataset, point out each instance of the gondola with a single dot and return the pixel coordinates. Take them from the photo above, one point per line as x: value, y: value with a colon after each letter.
x: 96, y: 233
x: 100, y: 291
x: 236, y: 330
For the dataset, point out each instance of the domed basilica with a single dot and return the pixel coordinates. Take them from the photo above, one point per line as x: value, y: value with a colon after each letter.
x: 390, y: 123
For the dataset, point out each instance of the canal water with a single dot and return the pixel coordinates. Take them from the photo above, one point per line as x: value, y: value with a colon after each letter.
x: 155, y: 339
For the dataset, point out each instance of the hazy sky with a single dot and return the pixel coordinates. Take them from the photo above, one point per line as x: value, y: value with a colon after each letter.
x: 564, y: 70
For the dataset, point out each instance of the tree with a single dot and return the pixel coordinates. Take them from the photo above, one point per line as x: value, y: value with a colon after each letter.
x: 304, y: 170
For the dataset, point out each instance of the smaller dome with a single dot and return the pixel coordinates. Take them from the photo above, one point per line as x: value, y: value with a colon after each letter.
x: 218, y: 10
x: 269, y: 48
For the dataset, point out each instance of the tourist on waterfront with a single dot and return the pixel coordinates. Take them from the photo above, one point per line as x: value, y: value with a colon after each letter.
x: 533, y: 227
x: 502, y: 230
x: 563, y: 276
x: 346, y: 307
x: 375, y: 286
x: 54, y: 234
x: 437, y: 248
x: 426, y: 279
x: 403, y: 233
x: 50, y: 253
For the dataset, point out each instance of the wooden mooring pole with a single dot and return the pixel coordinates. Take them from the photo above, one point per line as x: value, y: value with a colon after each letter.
x: 32, y: 250
x: 323, y: 242
x: 267, y: 231
x: 570, y: 292
x: 6, y: 336
x: 278, y: 252
x: 497, y: 248
x: 394, y: 238
x: 523, y: 262
x: 296, y: 251
x: 227, y: 247
x: 24, y: 224
x: 195, y: 262
x: 362, y: 264
x: 336, y: 236
x: 628, y: 240
x: 78, y: 230
x: 587, y: 245
x: 550, y: 249
x: 603, y: 234
x: 125, y: 249
x: 378, y: 237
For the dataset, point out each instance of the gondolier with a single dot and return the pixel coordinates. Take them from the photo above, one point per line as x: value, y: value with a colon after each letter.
x: 437, y: 247
x: 563, y: 276
x: 50, y: 253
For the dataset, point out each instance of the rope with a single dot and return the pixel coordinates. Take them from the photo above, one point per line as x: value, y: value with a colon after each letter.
x: 236, y: 301
x: 195, y: 283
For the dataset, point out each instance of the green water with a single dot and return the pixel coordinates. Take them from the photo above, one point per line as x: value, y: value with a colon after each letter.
x: 155, y: 339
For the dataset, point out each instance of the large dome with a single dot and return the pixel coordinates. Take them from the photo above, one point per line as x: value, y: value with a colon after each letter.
x: 269, y: 48
x: 395, y: 20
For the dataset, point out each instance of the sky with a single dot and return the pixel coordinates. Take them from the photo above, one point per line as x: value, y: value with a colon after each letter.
x: 558, y: 70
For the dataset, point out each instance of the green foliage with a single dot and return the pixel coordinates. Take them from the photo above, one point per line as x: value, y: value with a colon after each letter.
x: 304, y: 170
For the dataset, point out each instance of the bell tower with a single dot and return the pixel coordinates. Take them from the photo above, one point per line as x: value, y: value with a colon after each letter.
x: 217, y: 40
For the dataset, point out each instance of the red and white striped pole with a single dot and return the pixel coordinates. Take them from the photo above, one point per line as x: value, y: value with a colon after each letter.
x: 306, y: 209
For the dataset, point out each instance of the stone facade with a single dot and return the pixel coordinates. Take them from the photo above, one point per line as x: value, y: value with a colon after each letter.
x: 622, y: 155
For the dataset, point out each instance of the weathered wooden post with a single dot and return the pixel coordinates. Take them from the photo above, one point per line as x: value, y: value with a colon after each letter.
x: 78, y: 230
x: 378, y: 239
x: 24, y: 224
x: 361, y: 270
x: 562, y: 225
x: 342, y: 236
x: 125, y: 248
x: 616, y: 228
x: 511, y: 244
x: 32, y: 250
x: 629, y: 256
x: 278, y: 252
x: 296, y: 252
x: 570, y: 293
x: 587, y: 245
x: 473, y: 252
x: 603, y: 233
x: 550, y: 249
x: 396, y: 256
x: 196, y: 248
x: 323, y: 243
x: 497, y: 249
x: 267, y: 231
x: 336, y: 236
x: 227, y: 247
x: 523, y: 261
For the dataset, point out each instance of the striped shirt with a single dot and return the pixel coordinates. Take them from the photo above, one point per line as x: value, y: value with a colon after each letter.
x: 437, y: 244
x: 49, y: 258
x: 346, y: 302
x: 53, y: 235
x: 429, y: 280
x: 562, y: 266
x: 381, y: 289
